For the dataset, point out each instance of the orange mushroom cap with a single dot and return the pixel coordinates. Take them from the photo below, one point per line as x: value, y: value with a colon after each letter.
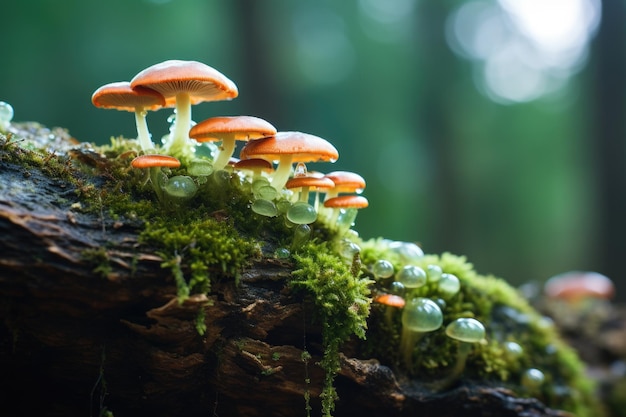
x: 577, y: 285
x: 257, y: 165
x: 120, y: 96
x: 347, y: 201
x: 155, y: 160
x: 346, y: 181
x: 200, y: 81
x: 313, y: 182
x: 303, y: 147
x: 390, y: 300
x: 237, y: 127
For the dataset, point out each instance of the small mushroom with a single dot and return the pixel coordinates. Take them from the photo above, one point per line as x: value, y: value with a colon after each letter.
x: 467, y: 331
x: 184, y: 83
x: 420, y: 316
x: 120, y: 96
x: 288, y: 148
x: 154, y: 163
x: 574, y: 286
x: 345, y: 182
x: 344, y: 209
x: 228, y: 130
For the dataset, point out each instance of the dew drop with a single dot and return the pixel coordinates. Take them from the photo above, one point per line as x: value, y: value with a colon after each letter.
x: 264, y: 207
x: 283, y: 206
x: 267, y: 192
x: 397, y: 288
x: 301, y: 235
x: 348, y: 249
x: 382, y: 269
x: 282, y: 253
x: 300, y: 170
x: 408, y: 252
x: 434, y: 273
x: 180, y: 186
x: 259, y: 183
x: 449, y: 284
x: 200, y: 168
x: 532, y: 378
x: 346, y: 218
x: 411, y: 276
x: 301, y: 213
x: 6, y: 114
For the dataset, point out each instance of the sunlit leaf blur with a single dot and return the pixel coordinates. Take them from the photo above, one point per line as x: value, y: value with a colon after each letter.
x: 489, y: 128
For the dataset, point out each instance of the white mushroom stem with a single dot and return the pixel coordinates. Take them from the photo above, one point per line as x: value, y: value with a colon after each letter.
x: 226, y: 151
x: 143, y: 135
x: 179, y: 134
x: 283, y: 170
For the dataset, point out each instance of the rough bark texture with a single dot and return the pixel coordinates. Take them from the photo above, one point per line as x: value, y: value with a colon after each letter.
x: 75, y: 341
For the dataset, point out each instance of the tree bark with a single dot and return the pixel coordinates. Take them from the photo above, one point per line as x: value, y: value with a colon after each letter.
x: 82, y: 337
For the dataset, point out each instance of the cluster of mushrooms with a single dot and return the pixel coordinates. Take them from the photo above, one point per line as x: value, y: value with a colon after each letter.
x: 266, y: 160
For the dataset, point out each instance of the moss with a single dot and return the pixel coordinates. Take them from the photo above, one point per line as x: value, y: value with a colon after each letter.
x: 342, y: 301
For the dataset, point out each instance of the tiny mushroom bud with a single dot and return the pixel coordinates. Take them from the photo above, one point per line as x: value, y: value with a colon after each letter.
x: 467, y: 331
x: 121, y: 96
x: 420, y: 316
x: 184, y: 83
x: 230, y: 129
x: 392, y: 303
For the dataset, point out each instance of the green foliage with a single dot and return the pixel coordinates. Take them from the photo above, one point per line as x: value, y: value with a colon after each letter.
x: 342, y: 300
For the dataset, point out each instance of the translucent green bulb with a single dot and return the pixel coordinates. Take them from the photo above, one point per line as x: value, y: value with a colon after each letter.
x: 200, y: 168
x: 264, y: 207
x: 382, y: 269
x: 449, y: 284
x: 422, y: 315
x: 466, y: 330
x: 411, y: 276
x: 301, y: 213
x: 434, y: 273
x: 180, y: 186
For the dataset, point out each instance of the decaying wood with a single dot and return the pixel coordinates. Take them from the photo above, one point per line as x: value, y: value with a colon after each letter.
x: 75, y: 340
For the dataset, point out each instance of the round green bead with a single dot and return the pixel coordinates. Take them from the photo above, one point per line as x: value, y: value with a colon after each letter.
x: 180, y: 186
x: 301, y: 213
x: 411, y: 276
x: 422, y: 315
x: 466, y: 330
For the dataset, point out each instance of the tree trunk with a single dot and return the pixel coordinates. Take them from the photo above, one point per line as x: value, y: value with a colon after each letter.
x: 91, y: 324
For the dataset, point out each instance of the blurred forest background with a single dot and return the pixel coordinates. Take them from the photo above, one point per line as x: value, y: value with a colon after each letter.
x: 493, y: 129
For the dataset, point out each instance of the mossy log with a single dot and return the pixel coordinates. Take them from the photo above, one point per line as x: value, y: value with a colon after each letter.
x: 91, y: 325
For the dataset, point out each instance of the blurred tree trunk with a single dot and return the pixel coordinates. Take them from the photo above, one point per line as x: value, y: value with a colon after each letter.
x: 608, y: 140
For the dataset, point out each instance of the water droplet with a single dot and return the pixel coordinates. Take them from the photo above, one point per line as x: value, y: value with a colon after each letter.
x: 301, y: 235
x: 532, y: 378
x: 200, y: 168
x: 264, y: 207
x: 282, y: 253
x: 300, y: 170
x: 449, y: 284
x: 434, y: 273
x: 348, y: 249
x: 408, y: 252
x: 259, y: 183
x: 6, y: 115
x: 513, y: 350
x: 346, y: 218
x: 171, y: 118
x: 180, y: 186
x: 283, y: 206
x: 411, y: 276
x: 301, y: 213
x: 267, y: 192
x: 397, y: 288
x: 382, y: 269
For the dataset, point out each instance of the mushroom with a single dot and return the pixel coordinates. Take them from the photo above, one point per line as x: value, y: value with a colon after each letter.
x: 154, y: 163
x: 345, y: 182
x: 184, y: 83
x: 420, y: 316
x: 287, y: 148
x: 467, y: 331
x: 120, y: 96
x: 230, y: 129
x: 392, y: 303
x: 305, y: 184
x: 347, y: 204
x: 575, y: 286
